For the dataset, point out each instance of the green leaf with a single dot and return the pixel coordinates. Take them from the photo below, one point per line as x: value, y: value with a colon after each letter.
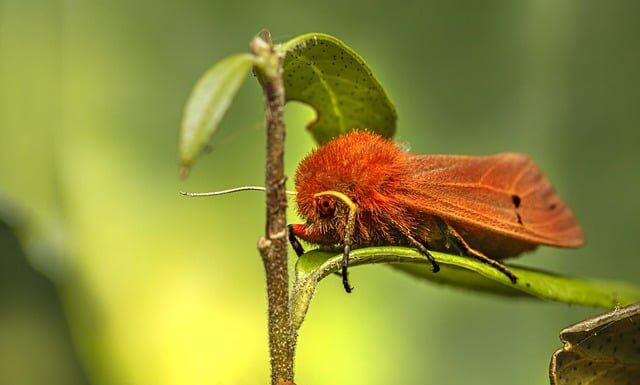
x: 209, y: 101
x: 460, y: 272
x: 600, y: 350
x: 326, y: 74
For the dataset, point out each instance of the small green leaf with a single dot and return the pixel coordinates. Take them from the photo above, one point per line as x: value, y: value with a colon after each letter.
x: 601, y: 350
x: 326, y: 74
x: 209, y: 101
x: 460, y: 272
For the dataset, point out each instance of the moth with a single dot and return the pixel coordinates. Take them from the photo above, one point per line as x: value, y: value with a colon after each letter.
x: 361, y: 189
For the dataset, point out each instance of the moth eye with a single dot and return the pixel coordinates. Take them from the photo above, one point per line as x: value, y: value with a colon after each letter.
x: 326, y: 206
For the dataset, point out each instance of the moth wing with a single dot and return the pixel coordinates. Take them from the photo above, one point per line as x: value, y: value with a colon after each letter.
x: 504, y: 193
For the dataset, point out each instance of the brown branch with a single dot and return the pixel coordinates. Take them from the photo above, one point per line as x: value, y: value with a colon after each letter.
x: 273, y: 246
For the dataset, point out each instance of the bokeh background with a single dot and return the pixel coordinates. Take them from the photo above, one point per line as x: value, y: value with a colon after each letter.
x: 109, y: 276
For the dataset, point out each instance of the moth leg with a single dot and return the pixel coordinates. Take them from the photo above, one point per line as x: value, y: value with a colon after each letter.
x: 435, y: 267
x: 348, y: 239
x: 345, y: 265
x: 422, y: 247
x: 467, y: 250
x: 297, y: 246
x: 295, y: 243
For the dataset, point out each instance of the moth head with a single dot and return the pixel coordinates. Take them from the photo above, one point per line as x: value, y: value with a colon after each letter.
x: 327, y: 214
x: 333, y: 217
x: 326, y: 203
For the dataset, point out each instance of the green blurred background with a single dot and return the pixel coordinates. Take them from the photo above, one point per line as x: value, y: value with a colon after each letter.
x: 117, y: 279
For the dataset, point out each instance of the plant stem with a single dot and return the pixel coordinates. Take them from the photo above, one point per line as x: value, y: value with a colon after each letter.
x: 273, y: 246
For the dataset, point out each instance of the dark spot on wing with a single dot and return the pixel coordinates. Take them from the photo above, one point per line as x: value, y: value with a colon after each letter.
x: 516, y: 200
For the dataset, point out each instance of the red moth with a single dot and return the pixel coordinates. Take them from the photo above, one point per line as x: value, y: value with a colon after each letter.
x: 361, y: 189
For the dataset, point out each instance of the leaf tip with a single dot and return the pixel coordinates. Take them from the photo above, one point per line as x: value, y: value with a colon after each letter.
x: 184, y: 171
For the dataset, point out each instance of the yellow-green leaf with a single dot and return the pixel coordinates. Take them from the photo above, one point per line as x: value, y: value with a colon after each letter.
x: 209, y: 101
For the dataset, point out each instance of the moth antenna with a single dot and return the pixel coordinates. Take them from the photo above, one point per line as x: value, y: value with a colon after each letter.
x: 348, y: 234
x: 229, y: 191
